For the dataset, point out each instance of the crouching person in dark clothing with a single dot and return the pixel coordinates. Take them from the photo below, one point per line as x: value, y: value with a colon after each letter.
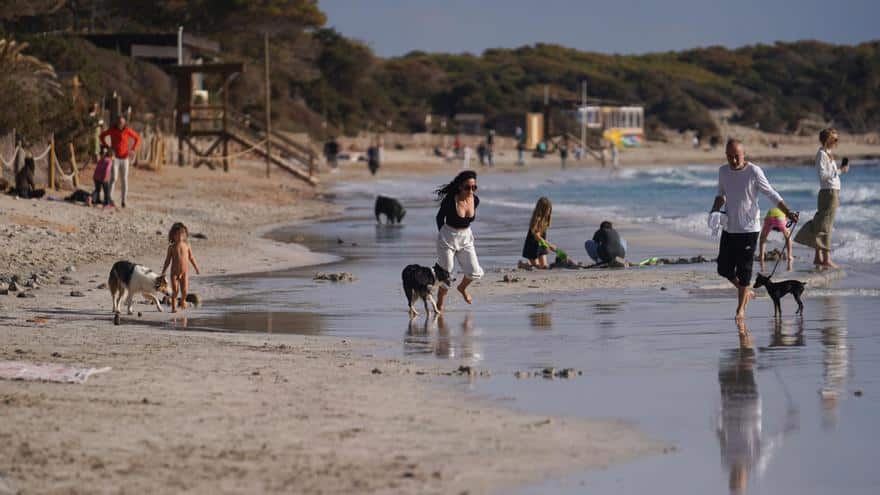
x: 24, y: 180
x: 606, y: 244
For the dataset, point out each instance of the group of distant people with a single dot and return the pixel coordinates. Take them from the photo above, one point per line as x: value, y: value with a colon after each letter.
x: 331, y: 155
x: 117, y: 145
x: 114, y: 161
x: 739, y: 183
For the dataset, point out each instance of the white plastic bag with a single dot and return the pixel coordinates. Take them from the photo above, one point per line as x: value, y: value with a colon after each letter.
x: 714, y: 222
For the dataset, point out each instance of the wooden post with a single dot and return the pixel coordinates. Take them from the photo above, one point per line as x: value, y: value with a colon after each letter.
x: 225, y: 124
x: 73, y: 166
x: 15, y: 154
x: 52, y: 162
x: 268, y: 106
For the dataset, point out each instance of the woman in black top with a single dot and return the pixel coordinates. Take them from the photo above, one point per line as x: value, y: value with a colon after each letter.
x: 455, y: 241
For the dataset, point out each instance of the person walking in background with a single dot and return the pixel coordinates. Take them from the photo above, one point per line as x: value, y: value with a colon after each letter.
x: 606, y: 244
x: 455, y: 240
x: 102, y: 174
x: 536, y: 245
x: 331, y: 152
x: 520, y: 145
x: 563, y: 150
x: 373, y: 159
x: 120, y: 138
x: 481, y: 153
x: 738, y: 185
x: 466, y: 157
x: 490, y: 147
x: 817, y: 232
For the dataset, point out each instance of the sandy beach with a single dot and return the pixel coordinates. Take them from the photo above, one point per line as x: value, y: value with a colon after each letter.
x: 790, y: 150
x: 200, y: 412
x: 233, y: 413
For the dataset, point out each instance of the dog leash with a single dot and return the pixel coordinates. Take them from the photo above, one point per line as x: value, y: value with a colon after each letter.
x: 789, y: 225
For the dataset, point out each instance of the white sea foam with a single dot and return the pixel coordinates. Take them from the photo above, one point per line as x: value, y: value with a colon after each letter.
x: 844, y: 292
x: 855, y: 246
x: 860, y: 194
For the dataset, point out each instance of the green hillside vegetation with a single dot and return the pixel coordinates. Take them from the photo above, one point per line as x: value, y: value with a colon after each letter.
x: 320, y: 75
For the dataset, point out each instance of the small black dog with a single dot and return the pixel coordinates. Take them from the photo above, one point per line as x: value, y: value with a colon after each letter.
x: 418, y: 282
x: 777, y: 290
x: 391, y: 208
x: 79, y: 196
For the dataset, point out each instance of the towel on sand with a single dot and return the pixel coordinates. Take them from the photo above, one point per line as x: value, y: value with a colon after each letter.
x: 47, y: 372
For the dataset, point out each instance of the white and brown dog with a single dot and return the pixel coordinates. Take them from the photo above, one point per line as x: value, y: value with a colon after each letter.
x: 127, y: 279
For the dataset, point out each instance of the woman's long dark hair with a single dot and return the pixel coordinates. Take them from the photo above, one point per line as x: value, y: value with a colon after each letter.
x: 455, y: 186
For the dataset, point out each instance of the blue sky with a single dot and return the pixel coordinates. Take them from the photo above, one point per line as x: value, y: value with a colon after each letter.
x: 395, y: 27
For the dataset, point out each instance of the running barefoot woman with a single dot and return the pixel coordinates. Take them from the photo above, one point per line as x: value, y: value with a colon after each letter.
x: 738, y: 184
x: 455, y: 242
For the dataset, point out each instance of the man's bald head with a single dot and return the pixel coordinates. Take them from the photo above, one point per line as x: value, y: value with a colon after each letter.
x: 736, y: 153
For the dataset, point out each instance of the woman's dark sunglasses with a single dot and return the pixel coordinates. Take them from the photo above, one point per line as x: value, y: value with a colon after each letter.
x: 469, y: 188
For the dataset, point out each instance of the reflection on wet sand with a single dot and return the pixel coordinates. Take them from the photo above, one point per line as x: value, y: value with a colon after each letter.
x: 389, y: 232
x: 541, y: 320
x: 297, y: 323
x: 745, y: 448
x: 786, y: 333
x: 606, y: 314
x: 835, y: 360
x: 421, y: 338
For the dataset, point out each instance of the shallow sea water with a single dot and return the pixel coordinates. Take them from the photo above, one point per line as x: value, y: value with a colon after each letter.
x: 783, y: 418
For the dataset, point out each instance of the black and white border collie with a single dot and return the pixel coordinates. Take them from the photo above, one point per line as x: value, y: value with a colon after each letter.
x: 419, y: 281
x: 127, y: 279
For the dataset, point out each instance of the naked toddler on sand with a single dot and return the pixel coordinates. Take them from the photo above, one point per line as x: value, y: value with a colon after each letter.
x: 179, y: 257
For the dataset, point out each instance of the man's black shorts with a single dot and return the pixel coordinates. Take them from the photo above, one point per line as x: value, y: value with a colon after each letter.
x: 736, y: 255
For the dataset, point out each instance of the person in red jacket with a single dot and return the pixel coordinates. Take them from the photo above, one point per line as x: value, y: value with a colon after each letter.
x: 120, y: 137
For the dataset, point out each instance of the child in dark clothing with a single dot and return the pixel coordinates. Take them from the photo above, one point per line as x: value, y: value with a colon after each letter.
x: 102, y: 177
x: 536, y: 245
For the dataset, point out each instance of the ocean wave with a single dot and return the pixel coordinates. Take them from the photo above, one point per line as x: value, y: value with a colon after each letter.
x: 802, y: 187
x: 398, y: 188
x: 856, y: 246
x: 687, y: 181
x: 559, y: 208
x: 855, y: 194
x: 695, y: 223
x: 860, y: 194
x: 843, y: 292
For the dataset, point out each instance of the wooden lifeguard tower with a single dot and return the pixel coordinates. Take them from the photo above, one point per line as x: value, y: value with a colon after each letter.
x: 201, y: 119
x: 198, y: 119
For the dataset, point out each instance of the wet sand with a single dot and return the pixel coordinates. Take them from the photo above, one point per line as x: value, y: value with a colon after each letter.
x: 248, y: 412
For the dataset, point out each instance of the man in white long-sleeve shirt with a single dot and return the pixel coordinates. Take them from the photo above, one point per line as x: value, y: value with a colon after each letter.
x: 738, y: 185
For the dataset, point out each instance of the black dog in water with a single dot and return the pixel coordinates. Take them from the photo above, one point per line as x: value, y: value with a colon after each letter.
x: 777, y: 290
x: 418, y: 282
x: 391, y: 208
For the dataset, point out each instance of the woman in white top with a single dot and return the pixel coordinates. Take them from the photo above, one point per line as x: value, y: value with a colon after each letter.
x: 817, y: 232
